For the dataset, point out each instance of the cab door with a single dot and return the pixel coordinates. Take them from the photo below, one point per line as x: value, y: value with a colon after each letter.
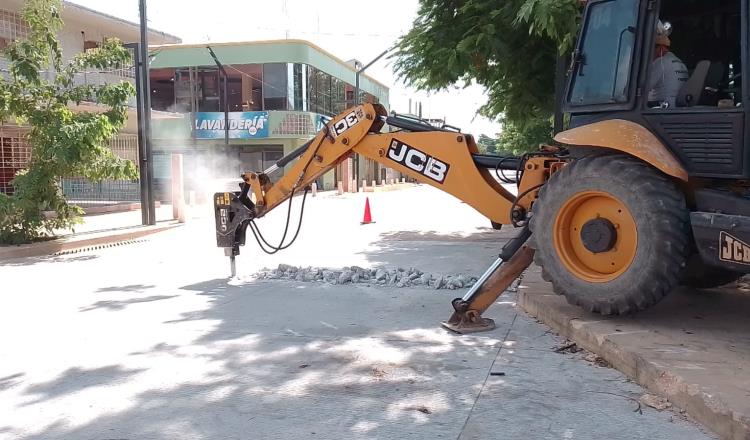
x: 607, y: 58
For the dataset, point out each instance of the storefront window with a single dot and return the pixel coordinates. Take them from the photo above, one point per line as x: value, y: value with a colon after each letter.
x: 254, y: 87
x: 275, y: 87
x: 234, y: 92
x: 338, y: 93
x: 163, y: 89
x: 182, y: 93
x: 298, y: 101
x: 349, y: 90
x: 330, y: 96
x: 246, y: 94
x: 259, y: 158
x: 208, y: 90
x: 312, y: 103
x: 323, y: 92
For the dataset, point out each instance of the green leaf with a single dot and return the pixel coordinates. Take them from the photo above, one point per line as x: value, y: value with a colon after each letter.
x: 64, y: 143
x: 509, y: 47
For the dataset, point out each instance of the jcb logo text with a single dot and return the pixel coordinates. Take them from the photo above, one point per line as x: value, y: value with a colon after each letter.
x: 418, y: 161
x: 733, y: 250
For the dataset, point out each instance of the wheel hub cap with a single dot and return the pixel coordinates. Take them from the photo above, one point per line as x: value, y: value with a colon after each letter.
x: 595, y: 236
x: 599, y: 235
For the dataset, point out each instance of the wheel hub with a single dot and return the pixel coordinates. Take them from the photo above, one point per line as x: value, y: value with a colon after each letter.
x: 595, y: 236
x: 599, y: 235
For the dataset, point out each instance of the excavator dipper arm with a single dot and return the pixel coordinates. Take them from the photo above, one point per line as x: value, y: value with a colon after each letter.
x: 445, y: 159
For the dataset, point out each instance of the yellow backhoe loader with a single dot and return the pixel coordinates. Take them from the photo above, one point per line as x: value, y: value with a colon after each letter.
x: 639, y: 194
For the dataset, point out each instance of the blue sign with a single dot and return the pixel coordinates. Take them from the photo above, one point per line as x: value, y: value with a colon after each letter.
x: 242, y: 125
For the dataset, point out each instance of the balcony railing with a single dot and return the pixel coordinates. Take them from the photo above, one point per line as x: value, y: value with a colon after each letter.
x: 98, y: 78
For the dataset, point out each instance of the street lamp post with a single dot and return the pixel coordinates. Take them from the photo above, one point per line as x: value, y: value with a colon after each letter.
x: 357, y: 101
x: 362, y: 70
x: 146, y: 162
x: 226, y: 97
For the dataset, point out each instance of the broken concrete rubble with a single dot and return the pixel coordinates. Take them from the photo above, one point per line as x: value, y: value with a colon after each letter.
x: 382, y: 276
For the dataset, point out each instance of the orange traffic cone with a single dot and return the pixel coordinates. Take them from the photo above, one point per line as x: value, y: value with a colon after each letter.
x: 368, y: 216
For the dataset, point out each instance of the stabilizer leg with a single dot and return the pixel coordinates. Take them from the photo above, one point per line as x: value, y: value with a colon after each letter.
x: 514, y: 259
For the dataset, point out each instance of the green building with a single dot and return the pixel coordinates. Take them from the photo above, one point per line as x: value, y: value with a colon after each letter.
x: 278, y: 94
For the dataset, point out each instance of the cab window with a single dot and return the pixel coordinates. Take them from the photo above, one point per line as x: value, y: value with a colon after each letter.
x: 604, y: 59
x: 698, y: 63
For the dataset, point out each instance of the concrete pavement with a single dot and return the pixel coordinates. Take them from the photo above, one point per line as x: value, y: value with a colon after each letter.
x: 150, y: 341
x: 693, y: 347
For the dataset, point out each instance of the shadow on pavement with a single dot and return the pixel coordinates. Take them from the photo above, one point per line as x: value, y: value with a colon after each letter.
x: 446, y: 253
x: 289, y: 360
x: 77, y: 379
x: 10, y: 380
x: 484, y: 234
x: 115, y: 305
x: 129, y: 288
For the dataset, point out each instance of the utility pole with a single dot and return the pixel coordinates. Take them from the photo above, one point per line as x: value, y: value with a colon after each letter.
x: 226, y: 96
x: 142, y: 163
x: 147, y: 161
x: 362, y: 70
x: 357, y: 101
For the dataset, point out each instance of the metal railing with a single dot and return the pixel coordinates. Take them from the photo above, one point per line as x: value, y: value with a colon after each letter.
x: 85, y: 193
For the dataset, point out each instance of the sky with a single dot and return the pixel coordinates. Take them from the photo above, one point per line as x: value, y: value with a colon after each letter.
x: 347, y: 29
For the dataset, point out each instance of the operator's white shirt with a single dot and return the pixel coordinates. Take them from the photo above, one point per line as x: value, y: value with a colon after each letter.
x: 667, y: 76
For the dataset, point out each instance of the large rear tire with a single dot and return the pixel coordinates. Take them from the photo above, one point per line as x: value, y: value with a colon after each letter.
x: 611, y: 233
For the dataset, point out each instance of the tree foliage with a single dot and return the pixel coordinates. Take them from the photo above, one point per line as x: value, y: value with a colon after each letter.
x: 487, y: 145
x: 517, y: 139
x: 509, y: 47
x: 37, y: 92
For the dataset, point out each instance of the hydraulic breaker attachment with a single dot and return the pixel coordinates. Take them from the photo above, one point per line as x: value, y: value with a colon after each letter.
x: 233, y: 212
x: 515, y: 257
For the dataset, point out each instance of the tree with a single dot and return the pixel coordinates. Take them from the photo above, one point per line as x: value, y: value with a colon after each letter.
x: 509, y: 47
x: 37, y: 93
x: 487, y: 145
x: 517, y: 139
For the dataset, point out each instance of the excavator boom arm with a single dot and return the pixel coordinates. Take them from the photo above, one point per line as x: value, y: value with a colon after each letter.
x: 445, y: 159
x: 441, y: 158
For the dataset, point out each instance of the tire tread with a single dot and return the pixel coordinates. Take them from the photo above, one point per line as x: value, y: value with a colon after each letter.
x: 662, y: 201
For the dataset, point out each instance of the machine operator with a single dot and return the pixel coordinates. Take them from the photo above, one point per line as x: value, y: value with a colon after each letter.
x: 668, y: 73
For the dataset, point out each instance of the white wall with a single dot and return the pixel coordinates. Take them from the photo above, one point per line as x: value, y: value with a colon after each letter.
x: 71, y: 42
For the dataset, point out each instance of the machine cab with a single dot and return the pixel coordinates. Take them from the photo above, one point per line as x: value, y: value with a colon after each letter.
x: 673, y: 66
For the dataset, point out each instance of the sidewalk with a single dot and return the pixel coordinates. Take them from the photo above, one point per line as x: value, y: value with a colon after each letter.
x: 95, y: 231
x: 692, y: 348
x: 115, y: 220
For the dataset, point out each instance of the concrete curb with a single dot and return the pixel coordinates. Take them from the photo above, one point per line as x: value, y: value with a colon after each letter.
x: 393, y: 187
x: 599, y: 335
x: 81, y: 241
x: 120, y: 207
x: 106, y: 209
